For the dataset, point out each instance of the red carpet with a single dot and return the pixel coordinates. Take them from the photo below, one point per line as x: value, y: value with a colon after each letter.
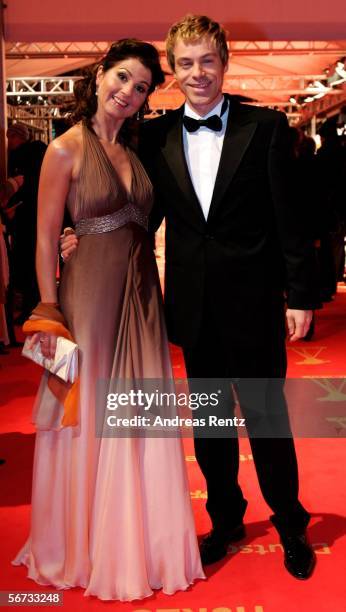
x: 252, y: 579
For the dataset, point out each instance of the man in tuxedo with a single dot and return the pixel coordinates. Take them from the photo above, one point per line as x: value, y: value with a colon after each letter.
x: 234, y: 246
x: 220, y: 170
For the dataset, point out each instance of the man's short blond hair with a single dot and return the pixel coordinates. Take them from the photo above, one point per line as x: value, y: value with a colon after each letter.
x: 193, y: 28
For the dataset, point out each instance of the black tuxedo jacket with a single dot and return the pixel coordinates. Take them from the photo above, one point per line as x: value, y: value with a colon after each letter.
x: 236, y: 265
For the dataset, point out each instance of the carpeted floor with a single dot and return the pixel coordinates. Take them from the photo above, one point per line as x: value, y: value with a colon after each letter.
x: 252, y: 578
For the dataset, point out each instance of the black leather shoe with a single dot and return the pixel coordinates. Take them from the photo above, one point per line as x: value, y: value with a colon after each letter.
x: 214, y: 546
x: 300, y: 558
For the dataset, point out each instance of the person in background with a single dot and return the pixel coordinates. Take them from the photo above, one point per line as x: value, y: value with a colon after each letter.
x: 7, y: 191
x: 331, y: 172
x: 4, y: 280
x: 304, y: 168
x: 24, y: 157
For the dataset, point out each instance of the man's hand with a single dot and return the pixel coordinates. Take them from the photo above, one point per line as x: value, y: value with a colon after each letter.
x: 68, y: 243
x: 19, y: 180
x: 10, y: 212
x: 298, y: 323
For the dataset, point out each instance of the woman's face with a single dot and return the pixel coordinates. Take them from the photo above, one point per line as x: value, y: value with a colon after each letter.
x: 123, y: 89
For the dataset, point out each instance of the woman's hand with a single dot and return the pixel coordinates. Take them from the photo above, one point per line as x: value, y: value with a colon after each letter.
x: 47, y: 342
x: 68, y: 243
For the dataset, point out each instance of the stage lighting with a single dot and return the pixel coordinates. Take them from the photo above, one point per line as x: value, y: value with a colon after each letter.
x: 340, y: 69
x: 337, y: 73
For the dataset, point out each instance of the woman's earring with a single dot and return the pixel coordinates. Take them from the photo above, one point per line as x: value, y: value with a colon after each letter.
x: 96, y: 92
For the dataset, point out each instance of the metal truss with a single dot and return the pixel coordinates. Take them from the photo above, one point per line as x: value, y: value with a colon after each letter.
x: 63, y: 86
x: 22, y: 50
x: 37, y: 118
x: 289, y: 85
x: 286, y: 47
x: 322, y: 107
x: 273, y: 83
x: 40, y: 86
x: 52, y: 50
x: 268, y: 83
x: 36, y: 112
x: 40, y: 116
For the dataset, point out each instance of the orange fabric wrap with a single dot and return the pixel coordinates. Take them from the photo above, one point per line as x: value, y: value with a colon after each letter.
x: 50, y: 312
x: 66, y: 393
x: 31, y: 326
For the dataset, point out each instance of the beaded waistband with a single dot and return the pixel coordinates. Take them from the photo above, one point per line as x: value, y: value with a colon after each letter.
x: 130, y: 213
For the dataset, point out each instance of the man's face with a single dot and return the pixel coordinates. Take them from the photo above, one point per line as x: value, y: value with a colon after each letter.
x: 199, y: 73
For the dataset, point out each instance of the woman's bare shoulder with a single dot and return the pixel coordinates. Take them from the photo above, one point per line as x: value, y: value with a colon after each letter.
x: 67, y: 146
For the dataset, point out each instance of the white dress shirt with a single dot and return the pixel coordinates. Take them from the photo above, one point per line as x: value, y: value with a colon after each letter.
x: 203, y: 152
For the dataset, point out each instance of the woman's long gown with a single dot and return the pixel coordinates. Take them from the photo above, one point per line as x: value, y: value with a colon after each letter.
x: 112, y: 515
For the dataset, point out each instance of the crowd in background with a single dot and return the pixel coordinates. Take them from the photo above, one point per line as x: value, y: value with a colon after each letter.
x: 18, y: 208
x: 320, y: 175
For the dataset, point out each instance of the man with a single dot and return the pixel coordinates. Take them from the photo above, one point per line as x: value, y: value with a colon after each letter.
x: 25, y: 158
x: 233, y: 245
x: 7, y: 333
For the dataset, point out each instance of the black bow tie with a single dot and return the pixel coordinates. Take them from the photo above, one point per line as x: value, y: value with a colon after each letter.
x: 212, y: 123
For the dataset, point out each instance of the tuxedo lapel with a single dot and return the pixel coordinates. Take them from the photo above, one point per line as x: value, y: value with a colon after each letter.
x: 239, y: 132
x: 173, y: 152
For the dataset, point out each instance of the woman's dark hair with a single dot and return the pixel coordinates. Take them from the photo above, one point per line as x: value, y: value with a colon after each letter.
x: 85, y: 88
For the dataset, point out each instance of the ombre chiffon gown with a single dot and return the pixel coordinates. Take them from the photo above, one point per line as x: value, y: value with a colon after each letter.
x: 111, y: 515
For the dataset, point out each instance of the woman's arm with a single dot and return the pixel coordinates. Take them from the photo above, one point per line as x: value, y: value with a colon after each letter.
x: 55, y: 182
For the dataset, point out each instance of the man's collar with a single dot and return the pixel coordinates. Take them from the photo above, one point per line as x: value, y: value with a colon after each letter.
x: 216, y: 110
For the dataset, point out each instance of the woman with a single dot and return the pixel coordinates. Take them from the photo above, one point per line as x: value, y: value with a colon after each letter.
x: 112, y: 515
